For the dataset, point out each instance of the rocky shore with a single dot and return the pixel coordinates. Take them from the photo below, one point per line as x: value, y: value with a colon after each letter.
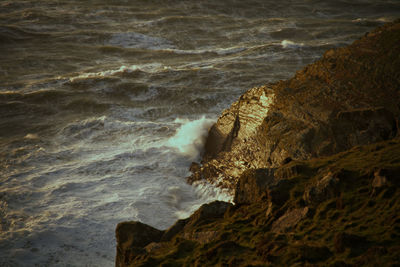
x: 314, y: 164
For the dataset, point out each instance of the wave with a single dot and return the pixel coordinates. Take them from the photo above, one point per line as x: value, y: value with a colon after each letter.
x: 139, y: 40
x: 149, y: 68
x: 190, y: 137
x: 217, y: 51
x: 291, y: 44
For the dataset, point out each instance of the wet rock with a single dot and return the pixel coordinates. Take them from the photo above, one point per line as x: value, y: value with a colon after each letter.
x: 289, y: 219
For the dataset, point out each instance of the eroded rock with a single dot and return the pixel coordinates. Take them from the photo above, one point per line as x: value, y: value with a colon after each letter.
x: 347, y: 98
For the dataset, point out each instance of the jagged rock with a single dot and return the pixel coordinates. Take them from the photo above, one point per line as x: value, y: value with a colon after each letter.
x: 349, y: 97
x: 289, y: 219
x: 174, y: 229
x: 252, y: 185
x: 207, y: 212
x: 132, y: 237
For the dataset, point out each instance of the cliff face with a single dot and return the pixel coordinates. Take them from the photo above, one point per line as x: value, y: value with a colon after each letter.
x: 314, y: 164
x: 349, y: 97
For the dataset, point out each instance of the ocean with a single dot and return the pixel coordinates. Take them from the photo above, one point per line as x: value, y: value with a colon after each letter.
x: 104, y: 104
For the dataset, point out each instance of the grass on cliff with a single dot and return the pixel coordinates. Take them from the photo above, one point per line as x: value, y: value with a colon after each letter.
x: 359, y: 225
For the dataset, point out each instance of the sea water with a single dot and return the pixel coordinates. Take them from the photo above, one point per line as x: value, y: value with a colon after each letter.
x: 105, y: 104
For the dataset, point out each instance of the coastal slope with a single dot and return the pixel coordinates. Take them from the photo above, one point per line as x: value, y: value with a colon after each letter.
x: 349, y: 97
x: 314, y: 165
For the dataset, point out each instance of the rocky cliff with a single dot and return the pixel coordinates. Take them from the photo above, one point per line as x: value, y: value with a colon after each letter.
x: 314, y: 164
x: 349, y: 97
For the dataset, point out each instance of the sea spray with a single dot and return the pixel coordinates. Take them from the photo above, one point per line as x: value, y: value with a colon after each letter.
x: 190, y: 136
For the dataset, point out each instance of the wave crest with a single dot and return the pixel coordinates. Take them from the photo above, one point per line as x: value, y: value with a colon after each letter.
x: 190, y: 137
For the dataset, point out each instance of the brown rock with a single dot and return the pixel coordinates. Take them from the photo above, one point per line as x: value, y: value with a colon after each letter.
x: 132, y: 237
x: 252, y: 185
x: 207, y: 212
x: 347, y: 98
x: 278, y: 193
x: 289, y: 219
x: 202, y: 237
x: 325, y: 188
x: 174, y: 230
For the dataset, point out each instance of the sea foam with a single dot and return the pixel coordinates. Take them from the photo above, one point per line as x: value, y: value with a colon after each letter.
x: 190, y: 136
x: 291, y: 44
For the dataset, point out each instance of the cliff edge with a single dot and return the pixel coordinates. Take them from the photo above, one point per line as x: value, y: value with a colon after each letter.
x: 314, y: 166
x: 349, y: 97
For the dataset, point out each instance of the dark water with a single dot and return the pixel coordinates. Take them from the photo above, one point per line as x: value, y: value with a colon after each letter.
x: 104, y: 104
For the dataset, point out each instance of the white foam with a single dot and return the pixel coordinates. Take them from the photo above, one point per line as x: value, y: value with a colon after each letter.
x: 149, y: 68
x: 190, y: 136
x: 219, y: 51
x: 205, y: 192
x: 291, y: 44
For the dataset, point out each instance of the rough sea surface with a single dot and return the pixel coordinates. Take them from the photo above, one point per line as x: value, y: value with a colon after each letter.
x: 104, y: 105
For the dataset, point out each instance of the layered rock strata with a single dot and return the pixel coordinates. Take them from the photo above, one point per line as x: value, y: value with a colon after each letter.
x: 294, y: 204
x: 347, y: 98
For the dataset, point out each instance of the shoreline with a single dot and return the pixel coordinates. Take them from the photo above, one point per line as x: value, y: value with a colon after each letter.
x: 300, y: 154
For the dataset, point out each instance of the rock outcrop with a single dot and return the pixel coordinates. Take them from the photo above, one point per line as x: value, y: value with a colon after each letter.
x: 347, y: 98
x: 314, y: 163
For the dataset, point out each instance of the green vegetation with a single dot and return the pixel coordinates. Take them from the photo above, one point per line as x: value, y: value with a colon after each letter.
x: 355, y: 222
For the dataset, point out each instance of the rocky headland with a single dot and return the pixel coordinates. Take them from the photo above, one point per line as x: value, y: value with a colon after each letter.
x: 314, y: 166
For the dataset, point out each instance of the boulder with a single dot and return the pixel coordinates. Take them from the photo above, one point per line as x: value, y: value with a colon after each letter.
x: 132, y: 237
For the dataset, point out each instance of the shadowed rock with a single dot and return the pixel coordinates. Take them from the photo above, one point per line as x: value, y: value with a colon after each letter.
x: 132, y: 237
x: 347, y: 98
x: 252, y: 185
x: 289, y: 219
x: 323, y: 189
